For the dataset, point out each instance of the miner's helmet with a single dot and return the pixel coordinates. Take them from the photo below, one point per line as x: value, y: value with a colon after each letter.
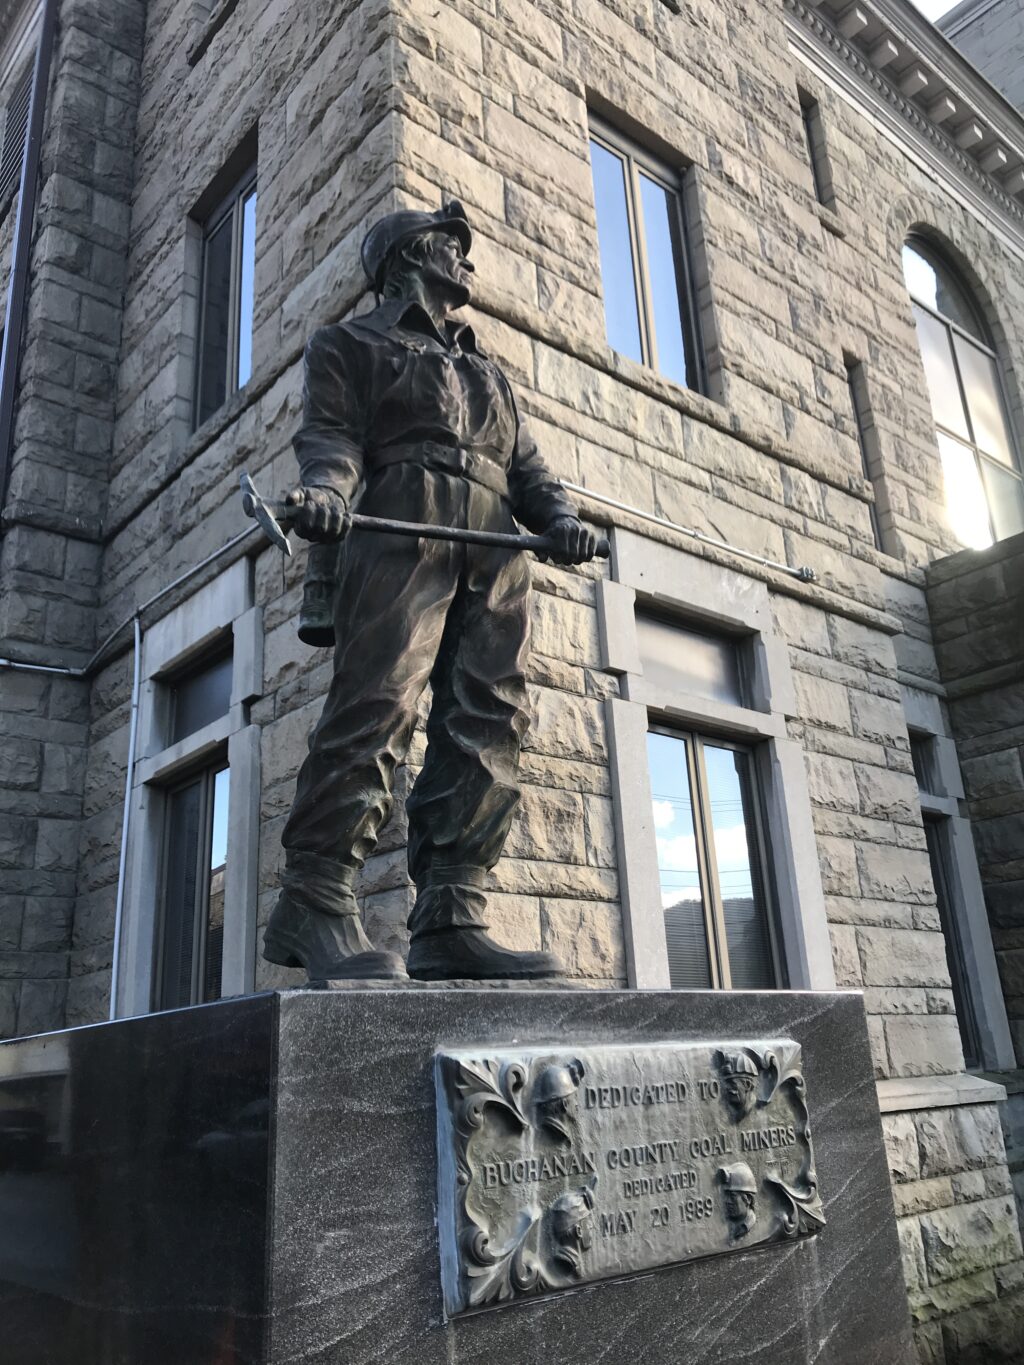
x: 737, y: 1064
x: 557, y: 1082
x: 396, y: 228
x: 739, y: 1177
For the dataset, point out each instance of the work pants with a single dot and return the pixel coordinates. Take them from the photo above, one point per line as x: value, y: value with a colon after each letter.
x: 408, y: 611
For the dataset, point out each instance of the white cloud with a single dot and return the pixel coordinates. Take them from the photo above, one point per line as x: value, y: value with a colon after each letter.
x: 678, y: 854
x: 664, y: 814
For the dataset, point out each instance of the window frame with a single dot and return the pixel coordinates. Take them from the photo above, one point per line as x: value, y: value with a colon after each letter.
x: 206, y: 774
x: 636, y: 158
x: 232, y: 206
x: 707, y: 596
x: 190, y: 634
x: 707, y: 858
x: 924, y: 248
x: 816, y: 144
x: 860, y: 407
x: 925, y: 718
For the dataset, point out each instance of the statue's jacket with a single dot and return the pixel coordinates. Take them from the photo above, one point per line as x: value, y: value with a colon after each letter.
x: 386, y: 388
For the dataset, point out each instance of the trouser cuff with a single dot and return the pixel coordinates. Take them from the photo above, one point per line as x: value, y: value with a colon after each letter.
x: 449, y: 898
x: 320, y: 883
x: 451, y: 874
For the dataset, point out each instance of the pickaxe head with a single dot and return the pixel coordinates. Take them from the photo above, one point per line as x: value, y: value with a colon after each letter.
x: 256, y: 507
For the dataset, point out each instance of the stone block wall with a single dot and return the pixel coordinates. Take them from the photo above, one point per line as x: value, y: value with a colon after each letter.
x: 958, y: 1230
x: 357, y: 108
x: 976, y: 602
x: 53, y: 512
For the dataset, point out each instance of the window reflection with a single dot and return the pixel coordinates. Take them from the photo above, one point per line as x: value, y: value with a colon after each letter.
x: 943, y: 389
x: 682, y: 896
x: 965, y: 496
x: 617, y: 280
x: 194, y: 864
x: 931, y: 282
x: 245, y: 289
x: 983, y: 484
x: 648, y: 309
x: 710, y: 865
x: 665, y: 270
x: 224, y: 352
x: 743, y: 901
x: 981, y: 389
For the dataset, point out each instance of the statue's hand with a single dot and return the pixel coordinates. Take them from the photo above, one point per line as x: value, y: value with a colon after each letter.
x: 571, y: 541
x: 320, y: 513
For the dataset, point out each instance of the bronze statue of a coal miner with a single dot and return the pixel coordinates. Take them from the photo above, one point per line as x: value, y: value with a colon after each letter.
x: 403, y: 408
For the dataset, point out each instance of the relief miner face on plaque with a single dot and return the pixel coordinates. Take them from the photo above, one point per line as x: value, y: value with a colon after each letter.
x: 572, y: 1217
x: 405, y: 417
x: 554, y: 1097
x: 740, y: 1190
x: 740, y: 1079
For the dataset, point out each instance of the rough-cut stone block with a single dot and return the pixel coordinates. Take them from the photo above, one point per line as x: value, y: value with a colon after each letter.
x: 924, y: 1046
x: 967, y: 1138
x: 901, y: 1146
x: 971, y: 1237
x: 902, y: 957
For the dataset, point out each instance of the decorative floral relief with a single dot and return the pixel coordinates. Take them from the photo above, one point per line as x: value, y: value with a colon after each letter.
x: 547, y: 1246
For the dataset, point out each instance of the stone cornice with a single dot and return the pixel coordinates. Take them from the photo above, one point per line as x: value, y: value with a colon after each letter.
x: 890, y: 50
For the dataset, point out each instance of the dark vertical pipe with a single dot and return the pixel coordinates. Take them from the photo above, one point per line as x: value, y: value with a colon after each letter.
x: 17, y: 292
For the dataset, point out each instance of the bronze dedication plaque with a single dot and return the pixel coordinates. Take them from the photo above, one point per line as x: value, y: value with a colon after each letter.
x: 558, y: 1168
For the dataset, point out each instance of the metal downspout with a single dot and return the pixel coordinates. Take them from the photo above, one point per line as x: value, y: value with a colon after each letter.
x: 17, y: 293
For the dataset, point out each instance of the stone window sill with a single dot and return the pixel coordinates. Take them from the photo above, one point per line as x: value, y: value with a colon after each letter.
x: 830, y: 220
x: 219, y: 15
x: 937, y: 1092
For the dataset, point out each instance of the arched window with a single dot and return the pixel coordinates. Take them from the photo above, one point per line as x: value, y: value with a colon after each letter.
x: 980, y: 463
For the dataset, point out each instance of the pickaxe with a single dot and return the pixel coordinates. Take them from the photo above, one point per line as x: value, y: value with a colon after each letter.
x: 276, y: 517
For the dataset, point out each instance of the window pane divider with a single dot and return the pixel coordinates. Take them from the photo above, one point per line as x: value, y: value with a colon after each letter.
x: 714, y: 911
x: 638, y: 232
x: 955, y: 327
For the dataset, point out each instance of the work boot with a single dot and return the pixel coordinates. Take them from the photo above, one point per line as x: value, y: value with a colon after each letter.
x: 329, y: 947
x: 472, y: 955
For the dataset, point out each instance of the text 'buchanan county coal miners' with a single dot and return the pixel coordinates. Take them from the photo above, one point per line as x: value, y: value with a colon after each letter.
x: 560, y: 1168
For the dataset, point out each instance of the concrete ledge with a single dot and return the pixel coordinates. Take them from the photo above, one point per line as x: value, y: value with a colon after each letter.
x: 936, y: 1092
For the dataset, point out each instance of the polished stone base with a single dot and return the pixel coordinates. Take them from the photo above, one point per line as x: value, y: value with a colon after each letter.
x: 256, y: 1181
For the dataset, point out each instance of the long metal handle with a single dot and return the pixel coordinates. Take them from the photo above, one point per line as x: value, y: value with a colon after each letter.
x: 284, y: 512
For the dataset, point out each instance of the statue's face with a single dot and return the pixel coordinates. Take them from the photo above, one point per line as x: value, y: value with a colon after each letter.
x: 446, y: 266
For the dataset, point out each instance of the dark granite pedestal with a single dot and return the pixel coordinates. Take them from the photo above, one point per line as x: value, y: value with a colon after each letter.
x: 256, y: 1181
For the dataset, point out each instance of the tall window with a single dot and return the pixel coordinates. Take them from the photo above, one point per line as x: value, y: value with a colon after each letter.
x: 194, y: 846
x: 711, y: 863
x: 817, y: 151
x: 641, y: 232
x: 858, y: 390
x: 224, y: 352
x: 980, y: 464
x: 937, y: 833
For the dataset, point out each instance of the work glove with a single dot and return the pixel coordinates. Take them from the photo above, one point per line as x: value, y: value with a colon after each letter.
x: 571, y: 541
x: 320, y: 514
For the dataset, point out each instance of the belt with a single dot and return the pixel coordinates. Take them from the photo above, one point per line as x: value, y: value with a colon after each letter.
x: 450, y: 459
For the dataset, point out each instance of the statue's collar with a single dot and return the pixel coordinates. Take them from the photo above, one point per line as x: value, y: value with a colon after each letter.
x: 410, y: 316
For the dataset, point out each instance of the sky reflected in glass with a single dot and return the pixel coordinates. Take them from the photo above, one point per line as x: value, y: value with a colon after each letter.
x: 665, y: 273
x: 246, y: 290
x: 617, y: 279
